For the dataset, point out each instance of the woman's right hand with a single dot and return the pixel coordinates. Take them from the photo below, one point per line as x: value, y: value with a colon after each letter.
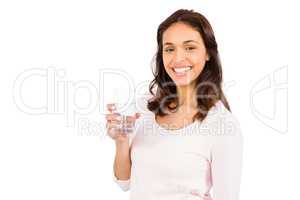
x: 113, y: 122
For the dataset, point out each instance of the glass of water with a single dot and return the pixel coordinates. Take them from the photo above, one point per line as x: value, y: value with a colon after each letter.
x: 126, y: 111
x: 126, y: 107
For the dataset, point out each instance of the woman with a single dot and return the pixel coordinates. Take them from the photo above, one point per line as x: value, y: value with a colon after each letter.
x: 195, y: 143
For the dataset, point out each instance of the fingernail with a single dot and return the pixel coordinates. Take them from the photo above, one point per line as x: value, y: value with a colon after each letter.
x: 119, y: 117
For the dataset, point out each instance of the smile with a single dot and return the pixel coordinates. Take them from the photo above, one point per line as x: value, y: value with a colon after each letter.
x: 181, y: 70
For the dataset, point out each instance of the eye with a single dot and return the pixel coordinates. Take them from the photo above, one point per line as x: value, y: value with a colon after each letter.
x: 169, y: 50
x: 190, y: 48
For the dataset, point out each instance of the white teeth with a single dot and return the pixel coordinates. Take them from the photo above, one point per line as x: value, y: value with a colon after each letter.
x: 184, y: 69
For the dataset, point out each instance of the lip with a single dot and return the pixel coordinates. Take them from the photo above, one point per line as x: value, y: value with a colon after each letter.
x: 181, y: 74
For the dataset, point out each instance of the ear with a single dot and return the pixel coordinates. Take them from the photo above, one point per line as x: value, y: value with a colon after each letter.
x: 207, y: 57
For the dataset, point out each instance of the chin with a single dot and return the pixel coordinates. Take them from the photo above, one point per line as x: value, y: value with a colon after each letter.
x: 182, y: 82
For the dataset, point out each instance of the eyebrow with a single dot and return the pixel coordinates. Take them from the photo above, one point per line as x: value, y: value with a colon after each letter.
x: 187, y: 41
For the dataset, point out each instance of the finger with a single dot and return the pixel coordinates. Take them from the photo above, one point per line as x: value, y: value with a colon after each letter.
x: 130, y: 119
x: 116, y: 133
x: 111, y: 107
x: 117, y: 125
x: 113, y: 117
x: 113, y: 125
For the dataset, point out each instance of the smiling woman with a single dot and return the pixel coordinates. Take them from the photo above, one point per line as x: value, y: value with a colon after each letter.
x: 184, y: 53
x: 195, y: 142
x: 187, y: 60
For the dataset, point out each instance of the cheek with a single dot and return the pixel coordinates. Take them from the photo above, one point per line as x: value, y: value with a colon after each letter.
x: 198, y: 63
x: 166, y: 60
x: 198, y: 59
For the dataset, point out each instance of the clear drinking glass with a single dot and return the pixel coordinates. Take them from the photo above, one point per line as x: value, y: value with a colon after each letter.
x: 125, y: 109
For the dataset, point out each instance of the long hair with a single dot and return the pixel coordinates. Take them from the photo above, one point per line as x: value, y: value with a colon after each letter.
x: 208, y: 83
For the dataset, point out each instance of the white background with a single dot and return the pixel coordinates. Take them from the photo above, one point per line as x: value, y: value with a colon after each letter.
x: 50, y: 156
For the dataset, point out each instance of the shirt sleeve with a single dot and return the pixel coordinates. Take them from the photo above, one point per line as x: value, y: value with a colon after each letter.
x: 226, y: 155
x: 123, y: 184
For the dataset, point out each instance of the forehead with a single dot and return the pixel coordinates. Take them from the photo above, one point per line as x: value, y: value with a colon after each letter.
x: 180, y: 32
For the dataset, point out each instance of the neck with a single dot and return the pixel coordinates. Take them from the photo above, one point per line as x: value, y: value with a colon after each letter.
x: 187, y: 96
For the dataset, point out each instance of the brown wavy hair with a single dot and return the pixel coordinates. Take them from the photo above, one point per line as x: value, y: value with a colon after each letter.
x: 208, y: 83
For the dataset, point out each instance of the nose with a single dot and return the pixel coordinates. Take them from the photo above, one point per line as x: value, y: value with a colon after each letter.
x: 179, y: 56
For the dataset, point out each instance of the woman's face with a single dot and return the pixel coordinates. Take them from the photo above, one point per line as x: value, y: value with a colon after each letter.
x: 184, y: 53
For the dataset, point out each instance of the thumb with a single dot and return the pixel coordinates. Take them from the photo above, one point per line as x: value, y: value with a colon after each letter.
x: 137, y: 115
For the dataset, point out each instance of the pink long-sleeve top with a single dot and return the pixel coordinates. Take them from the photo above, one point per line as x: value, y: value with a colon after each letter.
x: 201, y: 161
